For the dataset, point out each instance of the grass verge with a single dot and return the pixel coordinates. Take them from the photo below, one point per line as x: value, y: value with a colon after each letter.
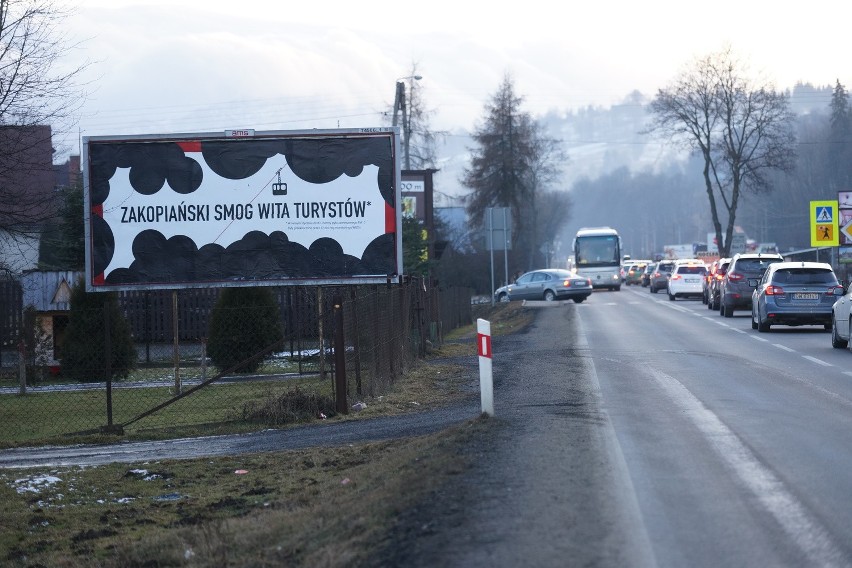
x: 316, y: 507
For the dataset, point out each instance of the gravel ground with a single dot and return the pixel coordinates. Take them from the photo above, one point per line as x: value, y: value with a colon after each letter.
x: 543, y: 489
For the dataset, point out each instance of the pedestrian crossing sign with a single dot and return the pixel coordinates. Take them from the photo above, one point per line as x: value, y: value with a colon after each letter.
x: 823, y: 218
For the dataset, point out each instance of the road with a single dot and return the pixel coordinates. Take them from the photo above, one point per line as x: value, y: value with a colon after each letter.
x: 636, y: 431
x: 630, y: 430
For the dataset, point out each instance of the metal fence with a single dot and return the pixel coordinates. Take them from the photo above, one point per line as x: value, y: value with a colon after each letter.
x: 11, y: 315
x: 317, y: 349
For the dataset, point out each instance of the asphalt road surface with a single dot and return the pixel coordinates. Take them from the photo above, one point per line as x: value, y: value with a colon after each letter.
x: 630, y: 431
x: 636, y: 431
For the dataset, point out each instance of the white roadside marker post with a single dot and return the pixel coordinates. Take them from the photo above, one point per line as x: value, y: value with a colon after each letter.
x: 486, y: 381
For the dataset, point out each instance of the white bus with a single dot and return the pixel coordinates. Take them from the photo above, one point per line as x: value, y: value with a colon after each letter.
x: 597, y: 255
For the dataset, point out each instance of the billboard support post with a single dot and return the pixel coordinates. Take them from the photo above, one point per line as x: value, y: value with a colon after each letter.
x: 175, y: 341
x: 341, y: 404
x: 108, y: 364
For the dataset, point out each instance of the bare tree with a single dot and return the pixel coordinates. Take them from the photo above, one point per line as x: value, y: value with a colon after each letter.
x: 420, y: 139
x: 742, y: 130
x: 38, y: 96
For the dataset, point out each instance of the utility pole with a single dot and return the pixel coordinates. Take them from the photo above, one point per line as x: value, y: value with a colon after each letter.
x: 399, y: 104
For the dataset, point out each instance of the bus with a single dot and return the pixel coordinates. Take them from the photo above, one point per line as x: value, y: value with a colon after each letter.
x: 597, y: 255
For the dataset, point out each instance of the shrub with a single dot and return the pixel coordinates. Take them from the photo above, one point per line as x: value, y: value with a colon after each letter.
x: 244, y: 322
x: 84, y: 353
x: 293, y: 406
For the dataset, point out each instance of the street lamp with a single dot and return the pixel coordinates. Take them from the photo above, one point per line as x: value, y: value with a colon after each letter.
x: 399, y: 104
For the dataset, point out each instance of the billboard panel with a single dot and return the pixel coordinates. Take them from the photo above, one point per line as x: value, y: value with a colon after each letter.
x: 269, y: 208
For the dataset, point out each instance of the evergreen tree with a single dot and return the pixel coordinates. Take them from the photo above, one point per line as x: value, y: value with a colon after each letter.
x: 839, y: 154
x: 415, y: 259
x: 244, y: 322
x: 513, y: 161
x: 85, y: 356
x: 499, y: 163
x: 62, y: 245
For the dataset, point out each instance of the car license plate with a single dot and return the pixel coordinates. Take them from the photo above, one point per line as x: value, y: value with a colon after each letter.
x: 805, y: 296
x: 692, y: 280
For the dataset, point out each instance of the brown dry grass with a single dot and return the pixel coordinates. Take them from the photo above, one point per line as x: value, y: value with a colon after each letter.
x: 316, y: 507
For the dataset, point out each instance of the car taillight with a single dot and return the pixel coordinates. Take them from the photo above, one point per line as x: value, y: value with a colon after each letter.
x: 830, y: 291
x: 735, y: 276
x: 676, y: 276
x: 774, y: 291
x: 719, y: 276
x: 566, y: 283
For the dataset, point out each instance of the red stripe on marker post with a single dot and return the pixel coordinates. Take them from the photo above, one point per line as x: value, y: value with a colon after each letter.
x: 484, y: 345
x: 486, y: 381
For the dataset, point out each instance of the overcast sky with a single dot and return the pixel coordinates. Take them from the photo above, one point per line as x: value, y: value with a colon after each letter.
x: 206, y: 65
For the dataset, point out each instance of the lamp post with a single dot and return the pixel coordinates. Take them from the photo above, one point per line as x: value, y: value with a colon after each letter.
x: 399, y: 104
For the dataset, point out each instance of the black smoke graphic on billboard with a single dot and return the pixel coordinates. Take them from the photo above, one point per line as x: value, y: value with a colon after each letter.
x: 196, y: 210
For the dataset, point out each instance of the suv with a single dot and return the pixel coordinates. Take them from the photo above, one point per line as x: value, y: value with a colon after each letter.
x: 795, y: 293
x: 717, y: 273
x: 736, y: 287
x: 660, y: 277
x: 686, y: 279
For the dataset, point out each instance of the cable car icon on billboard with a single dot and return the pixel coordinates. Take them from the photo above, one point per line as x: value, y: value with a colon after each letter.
x: 279, y: 187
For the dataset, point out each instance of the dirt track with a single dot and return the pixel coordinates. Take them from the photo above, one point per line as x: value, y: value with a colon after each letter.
x: 543, y: 490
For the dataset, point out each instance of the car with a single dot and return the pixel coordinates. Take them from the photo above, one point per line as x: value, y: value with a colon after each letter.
x: 841, y: 320
x: 625, y: 267
x: 719, y: 270
x: 705, y: 284
x: 645, y: 280
x: 660, y: 277
x: 742, y: 275
x: 635, y: 271
x: 685, y: 279
x: 547, y: 284
x: 795, y: 293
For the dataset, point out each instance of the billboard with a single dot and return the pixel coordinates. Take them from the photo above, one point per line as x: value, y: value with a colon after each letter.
x: 242, y: 208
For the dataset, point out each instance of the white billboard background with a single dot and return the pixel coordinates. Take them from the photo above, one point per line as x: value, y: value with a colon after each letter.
x: 231, y: 208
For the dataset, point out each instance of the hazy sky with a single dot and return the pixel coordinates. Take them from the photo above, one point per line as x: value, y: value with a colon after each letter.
x: 206, y: 65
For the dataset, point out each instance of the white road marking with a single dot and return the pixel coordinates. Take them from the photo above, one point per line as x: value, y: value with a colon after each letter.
x: 757, y: 338
x: 783, y: 347
x: 804, y: 531
x: 817, y: 361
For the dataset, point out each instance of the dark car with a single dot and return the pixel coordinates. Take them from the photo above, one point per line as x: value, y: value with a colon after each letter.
x: 719, y: 268
x: 795, y: 293
x: 660, y: 277
x: 740, y: 279
x: 646, y: 276
x: 547, y: 284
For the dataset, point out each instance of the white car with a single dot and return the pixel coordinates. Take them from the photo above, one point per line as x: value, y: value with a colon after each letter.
x: 687, y: 279
x: 841, y: 320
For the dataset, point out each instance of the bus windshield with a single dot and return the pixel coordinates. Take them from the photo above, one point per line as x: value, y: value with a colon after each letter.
x: 597, y: 251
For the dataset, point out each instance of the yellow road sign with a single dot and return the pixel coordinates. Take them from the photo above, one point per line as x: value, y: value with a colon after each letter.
x: 823, y: 217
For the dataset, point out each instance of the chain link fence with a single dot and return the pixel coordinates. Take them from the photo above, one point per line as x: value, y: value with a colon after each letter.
x: 181, y: 360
